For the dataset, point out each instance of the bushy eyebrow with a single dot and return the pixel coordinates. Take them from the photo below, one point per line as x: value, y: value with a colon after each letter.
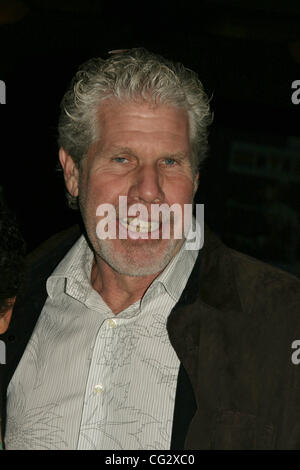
x: 177, y: 156
x: 118, y: 150
x: 114, y: 151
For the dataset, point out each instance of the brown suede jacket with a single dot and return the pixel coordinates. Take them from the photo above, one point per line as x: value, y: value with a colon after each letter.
x: 232, y: 329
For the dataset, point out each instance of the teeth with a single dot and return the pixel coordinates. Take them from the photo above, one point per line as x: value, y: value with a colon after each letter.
x: 137, y: 225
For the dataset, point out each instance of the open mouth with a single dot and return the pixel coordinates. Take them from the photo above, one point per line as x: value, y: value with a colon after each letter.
x: 134, y: 224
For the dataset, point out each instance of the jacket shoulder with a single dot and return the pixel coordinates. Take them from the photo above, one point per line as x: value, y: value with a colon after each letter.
x: 260, y: 283
x: 262, y: 274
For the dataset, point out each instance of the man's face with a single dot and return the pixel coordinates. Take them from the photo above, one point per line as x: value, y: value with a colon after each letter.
x: 144, y: 154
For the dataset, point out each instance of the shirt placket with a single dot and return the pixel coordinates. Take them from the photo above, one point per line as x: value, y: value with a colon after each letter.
x: 94, y: 412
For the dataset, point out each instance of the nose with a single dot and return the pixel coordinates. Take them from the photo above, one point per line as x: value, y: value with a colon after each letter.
x: 147, y: 185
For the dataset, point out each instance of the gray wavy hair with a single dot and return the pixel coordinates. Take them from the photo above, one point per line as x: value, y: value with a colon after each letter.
x: 135, y: 75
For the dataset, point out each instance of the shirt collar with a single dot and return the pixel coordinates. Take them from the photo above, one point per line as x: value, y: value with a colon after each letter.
x: 175, y: 276
x: 74, y: 270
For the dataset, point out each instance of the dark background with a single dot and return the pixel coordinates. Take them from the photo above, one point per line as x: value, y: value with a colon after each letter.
x: 247, y: 54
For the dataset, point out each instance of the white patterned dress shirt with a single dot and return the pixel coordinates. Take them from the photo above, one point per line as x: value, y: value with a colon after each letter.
x: 89, y: 379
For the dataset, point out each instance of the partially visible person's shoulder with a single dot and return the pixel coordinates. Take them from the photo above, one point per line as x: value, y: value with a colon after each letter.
x: 42, y: 261
x: 54, y: 247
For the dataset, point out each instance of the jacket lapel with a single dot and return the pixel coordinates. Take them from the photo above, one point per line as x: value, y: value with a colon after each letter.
x: 196, y: 332
x: 184, y: 410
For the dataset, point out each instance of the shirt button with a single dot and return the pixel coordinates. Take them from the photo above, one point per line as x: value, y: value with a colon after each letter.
x: 99, y: 388
x: 112, y: 323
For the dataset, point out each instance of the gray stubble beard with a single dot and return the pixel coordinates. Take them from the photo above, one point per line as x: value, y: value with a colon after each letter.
x: 128, y: 265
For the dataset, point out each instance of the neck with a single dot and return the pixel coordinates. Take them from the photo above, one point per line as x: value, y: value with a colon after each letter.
x: 118, y: 290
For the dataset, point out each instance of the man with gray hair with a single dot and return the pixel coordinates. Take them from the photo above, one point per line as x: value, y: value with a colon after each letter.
x: 126, y: 338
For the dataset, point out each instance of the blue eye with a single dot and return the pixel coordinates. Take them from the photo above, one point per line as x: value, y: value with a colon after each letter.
x: 169, y: 161
x: 120, y: 159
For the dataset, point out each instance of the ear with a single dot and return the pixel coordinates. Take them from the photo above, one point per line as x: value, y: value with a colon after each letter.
x: 71, y: 173
x: 5, y: 318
